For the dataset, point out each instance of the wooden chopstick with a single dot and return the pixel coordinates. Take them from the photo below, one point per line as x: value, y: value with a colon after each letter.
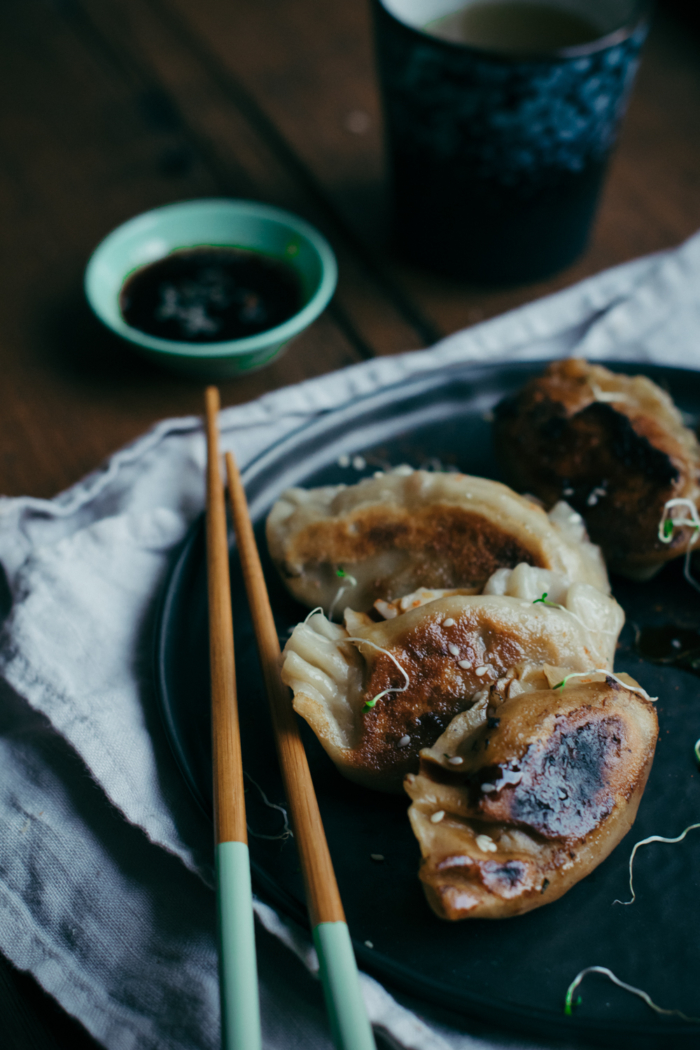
x: 350, y: 1026
x: 238, y: 983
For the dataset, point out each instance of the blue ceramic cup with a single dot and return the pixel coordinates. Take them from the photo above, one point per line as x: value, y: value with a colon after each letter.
x: 498, y: 152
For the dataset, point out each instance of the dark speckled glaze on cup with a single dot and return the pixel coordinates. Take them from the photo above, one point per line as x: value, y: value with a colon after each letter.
x: 498, y: 161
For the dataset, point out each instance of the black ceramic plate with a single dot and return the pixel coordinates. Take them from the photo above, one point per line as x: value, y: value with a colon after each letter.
x: 513, y: 972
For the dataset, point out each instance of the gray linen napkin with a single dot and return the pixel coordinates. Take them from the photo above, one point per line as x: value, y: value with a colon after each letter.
x: 105, y: 863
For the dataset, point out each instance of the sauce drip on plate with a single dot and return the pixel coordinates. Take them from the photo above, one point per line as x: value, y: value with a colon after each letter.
x: 669, y: 644
x: 210, y: 295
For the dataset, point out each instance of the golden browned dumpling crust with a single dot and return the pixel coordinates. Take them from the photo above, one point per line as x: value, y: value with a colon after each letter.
x: 512, y: 808
x: 389, y: 535
x: 613, y: 446
x: 376, y: 693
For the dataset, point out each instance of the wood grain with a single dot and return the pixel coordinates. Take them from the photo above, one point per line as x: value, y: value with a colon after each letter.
x: 322, y: 895
x: 310, y: 90
x: 229, y: 794
x: 226, y: 123
x: 88, y: 139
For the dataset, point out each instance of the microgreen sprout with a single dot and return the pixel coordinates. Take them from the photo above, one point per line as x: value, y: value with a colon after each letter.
x: 608, y: 674
x: 569, y: 1002
x: 369, y: 704
x: 697, y: 751
x: 668, y: 525
x: 556, y: 605
x: 286, y: 832
x: 645, y: 842
x: 348, y: 581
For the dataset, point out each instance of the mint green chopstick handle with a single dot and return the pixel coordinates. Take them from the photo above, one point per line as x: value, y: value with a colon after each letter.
x: 238, y: 974
x: 350, y: 1027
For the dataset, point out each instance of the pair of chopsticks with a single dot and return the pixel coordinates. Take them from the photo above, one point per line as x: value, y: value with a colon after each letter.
x: 350, y: 1026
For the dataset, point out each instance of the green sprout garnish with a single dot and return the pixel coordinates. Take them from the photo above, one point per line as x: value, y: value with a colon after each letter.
x: 568, y: 1004
x: 365, y: 641
x: 369, y: 704
x: 286, y: 832
x: 697, y: 751
x: 569, y: 1000
x: 348, y: 581
x: 668, y: 525
x: 556, y: 605
x: 562, y: 684
x: 343, y: 575
x: 645, y: 842
x: 608, y: 674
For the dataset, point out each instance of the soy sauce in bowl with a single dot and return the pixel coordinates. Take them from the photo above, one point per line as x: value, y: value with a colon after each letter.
x: 211, y: 295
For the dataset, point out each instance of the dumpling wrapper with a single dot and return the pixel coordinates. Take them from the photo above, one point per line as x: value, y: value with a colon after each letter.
x: 615, y: 446
x: 405, y: 529
x: 423, y: 667
x: 518, y: 801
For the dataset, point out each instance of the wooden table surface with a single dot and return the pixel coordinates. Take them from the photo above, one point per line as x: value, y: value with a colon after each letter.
x: 111, y: 107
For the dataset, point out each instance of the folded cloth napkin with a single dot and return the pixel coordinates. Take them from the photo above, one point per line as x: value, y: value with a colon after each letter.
x: 105, y: 863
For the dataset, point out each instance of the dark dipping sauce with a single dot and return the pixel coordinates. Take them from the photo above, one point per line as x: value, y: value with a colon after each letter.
x: 210, y: 295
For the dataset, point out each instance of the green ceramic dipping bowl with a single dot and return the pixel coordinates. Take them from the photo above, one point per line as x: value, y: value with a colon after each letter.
x: 220, y: 222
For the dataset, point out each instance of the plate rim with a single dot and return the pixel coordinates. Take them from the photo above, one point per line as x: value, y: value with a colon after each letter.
x: 525, y: 1020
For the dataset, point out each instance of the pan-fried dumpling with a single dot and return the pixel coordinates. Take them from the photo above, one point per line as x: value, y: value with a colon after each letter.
x: 376, y: 693
x: 519, y: 800
x: 388, y: 535
x: 614, y: 446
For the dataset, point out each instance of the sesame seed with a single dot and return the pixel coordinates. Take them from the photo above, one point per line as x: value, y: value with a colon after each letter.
x: 359, y: 462
x: 488, y: 787
x: 437, y: 817
x: 466, y: 665
x: 455, y: 760
x: 486, y: 844
x: 481, y: 671
x: 368, y: 944
x: 344, y: 460
x: 379, y: 857
x: 454, y: 649
x: 449, y: 622
x: 405, y: 741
